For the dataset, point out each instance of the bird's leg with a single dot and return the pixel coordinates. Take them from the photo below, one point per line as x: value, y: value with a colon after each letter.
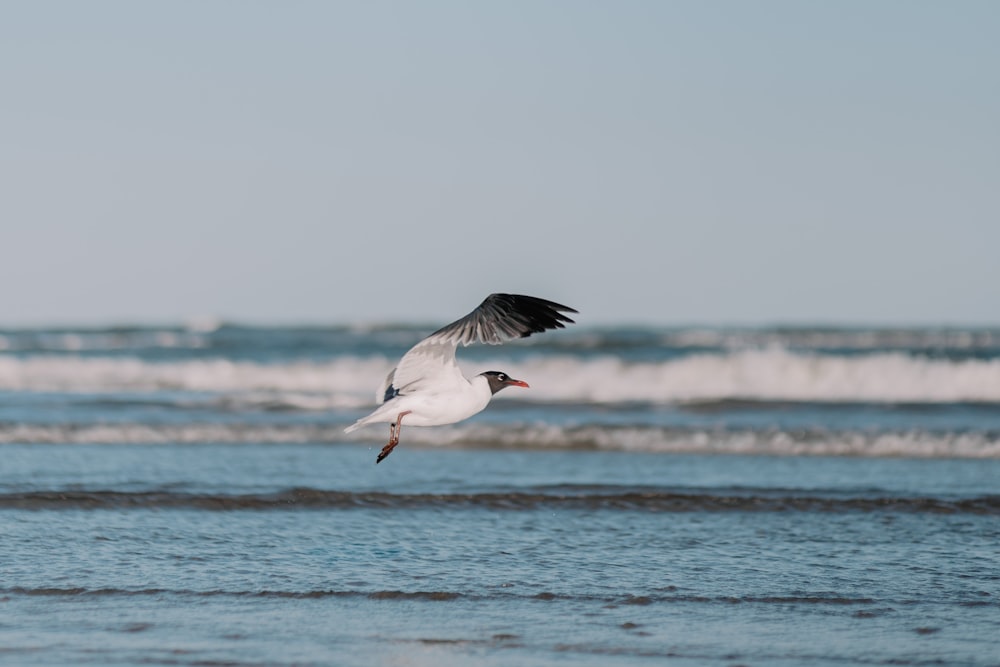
x: 394, y: 430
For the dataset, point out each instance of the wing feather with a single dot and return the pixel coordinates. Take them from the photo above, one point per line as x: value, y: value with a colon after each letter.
x: 503, y: 317
x: 386, y: 390
x: 499, y: 318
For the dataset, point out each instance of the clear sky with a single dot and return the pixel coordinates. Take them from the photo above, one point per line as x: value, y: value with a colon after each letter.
x: 662, y: 162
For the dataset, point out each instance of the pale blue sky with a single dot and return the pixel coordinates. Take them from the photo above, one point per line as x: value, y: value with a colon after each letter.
x: 662, y: 162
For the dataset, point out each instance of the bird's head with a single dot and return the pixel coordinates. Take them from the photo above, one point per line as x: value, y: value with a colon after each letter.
x: 498, y: 380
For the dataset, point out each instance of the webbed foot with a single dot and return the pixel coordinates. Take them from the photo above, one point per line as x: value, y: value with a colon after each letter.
x: 385, y: 452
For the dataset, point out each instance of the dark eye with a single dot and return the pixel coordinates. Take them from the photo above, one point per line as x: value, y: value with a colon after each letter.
x: 501, y: 377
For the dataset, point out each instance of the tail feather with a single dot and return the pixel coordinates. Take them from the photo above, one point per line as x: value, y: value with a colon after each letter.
x: 355, y: 426
x: 381, y: 414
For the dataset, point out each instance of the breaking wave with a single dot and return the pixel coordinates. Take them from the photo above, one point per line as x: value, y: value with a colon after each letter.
x: 103, y: 374
x: 775, y: 374
x: 652, y: 439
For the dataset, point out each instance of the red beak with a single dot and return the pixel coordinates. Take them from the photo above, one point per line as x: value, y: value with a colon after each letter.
x: 517, y: 383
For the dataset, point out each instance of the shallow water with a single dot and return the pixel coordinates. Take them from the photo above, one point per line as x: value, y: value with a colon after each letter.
x: 187, y: 496
x: 309, y: 554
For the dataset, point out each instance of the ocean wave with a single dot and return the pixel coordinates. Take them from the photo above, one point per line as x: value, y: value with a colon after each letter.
x: 155, y: 434
x: 836, y: 338
x: 671, y: 440
x: 101, y: 340
x: 103, y: 374
x: 613, y: 500
x: 664, y: 595
x: 769, y: 375
x: 651, y: 439
x: 775, y: 374
x: 212, y: 332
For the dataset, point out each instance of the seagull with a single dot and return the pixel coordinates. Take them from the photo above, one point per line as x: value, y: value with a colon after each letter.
x: 428, y: 388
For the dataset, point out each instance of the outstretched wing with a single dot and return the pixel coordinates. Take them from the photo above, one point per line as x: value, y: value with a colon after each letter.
x: 501, y: 317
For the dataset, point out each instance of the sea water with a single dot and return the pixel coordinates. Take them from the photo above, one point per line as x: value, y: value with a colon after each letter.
x: 803, y: 496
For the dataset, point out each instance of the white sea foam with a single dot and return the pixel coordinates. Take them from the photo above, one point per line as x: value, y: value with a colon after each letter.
x: 117, y: 434
x: 652, y: 439
x: 717, y: 441
x: 774, y: 374
x: 103, y: 374
x: 756, y: 375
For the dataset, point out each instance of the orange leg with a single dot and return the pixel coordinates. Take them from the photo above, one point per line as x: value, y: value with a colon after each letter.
x: 394, y: 430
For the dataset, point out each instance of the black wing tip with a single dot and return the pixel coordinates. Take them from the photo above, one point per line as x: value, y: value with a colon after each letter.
x: 531, y: 301
x: 538, y: 314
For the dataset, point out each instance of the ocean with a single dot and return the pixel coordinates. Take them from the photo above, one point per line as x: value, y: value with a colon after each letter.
x: 185, y: 495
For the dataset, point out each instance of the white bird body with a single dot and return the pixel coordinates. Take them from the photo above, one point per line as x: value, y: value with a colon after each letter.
x: 446, y: 405
x: 428, y: 388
